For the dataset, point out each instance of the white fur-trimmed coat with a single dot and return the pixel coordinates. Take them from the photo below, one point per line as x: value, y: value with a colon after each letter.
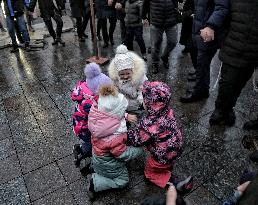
x: 132, y: 90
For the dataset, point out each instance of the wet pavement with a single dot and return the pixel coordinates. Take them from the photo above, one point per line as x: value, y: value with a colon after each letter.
x: 36, y: 161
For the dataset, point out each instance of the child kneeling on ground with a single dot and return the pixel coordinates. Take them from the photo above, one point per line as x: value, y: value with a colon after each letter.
x: 128, y: 72
x: 158, y: 131
x: 109, y: 136
x: 84, y: 93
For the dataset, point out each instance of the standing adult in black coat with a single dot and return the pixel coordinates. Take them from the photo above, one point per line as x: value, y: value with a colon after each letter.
x: 105, y: 9
x: 239, y: 55
x: 208, y: 32
x: 51, y: 9
x: 81, y: 12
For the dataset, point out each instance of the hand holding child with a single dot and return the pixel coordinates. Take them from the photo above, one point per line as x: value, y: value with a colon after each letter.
x: 132, y: 118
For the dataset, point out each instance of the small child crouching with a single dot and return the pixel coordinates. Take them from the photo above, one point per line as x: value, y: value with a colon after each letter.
x: 128, y: 72
x: 109, y: 136
x: 158, y: 131
x: 84, y: 93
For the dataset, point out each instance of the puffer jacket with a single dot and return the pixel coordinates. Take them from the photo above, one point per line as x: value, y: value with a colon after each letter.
x: 132, y: 90
x: 158, y: 130
x: 133, y: 13
x: 162, y: 12
x: 212, y: 13
x: 47, y: 8
x: 240, y: 48
x: 17, y: 6
x: 110, y: 151
x: 84, y: 98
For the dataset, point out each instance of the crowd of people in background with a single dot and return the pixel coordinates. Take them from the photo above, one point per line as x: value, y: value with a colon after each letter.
x: 118, y: 114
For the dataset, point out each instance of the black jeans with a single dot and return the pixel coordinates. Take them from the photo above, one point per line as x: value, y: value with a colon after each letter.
x: 123, y: 30
x: 81, y: 24
x: 103, y: 25
x: 231, y: 83
x: 135, y: 33
x: 204, y: 58
x: 59, y: 24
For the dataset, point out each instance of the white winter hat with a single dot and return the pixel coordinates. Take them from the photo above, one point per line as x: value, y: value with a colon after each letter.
x: 114, y: 105
x: 123, y: 60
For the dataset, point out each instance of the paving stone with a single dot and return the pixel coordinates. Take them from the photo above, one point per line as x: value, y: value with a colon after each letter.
x: 9, y: 169
x: 14, y: 192
x: 3, y: 118
x: 48, y: 116
x: 223, y: 184
x: 67, y: 167
x: 35, y: 157
x: 28, y: 139
x: 61, y: 196
x: 44, y: 181
x: 55, y: 129
x: 79, y: 192
x: 5, y: 131
x: 6, y: 148
x: 202, y: 196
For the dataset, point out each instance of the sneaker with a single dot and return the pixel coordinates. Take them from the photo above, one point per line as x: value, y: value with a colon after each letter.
x: 61, y: 42
x: 99, y: 38
x: 194, y: 96
x: 185, y: 186
x: 149, y: 50
x: 55, y: 42
x: 14, y: 49
x: 105, y: 45
x: 85, y: 35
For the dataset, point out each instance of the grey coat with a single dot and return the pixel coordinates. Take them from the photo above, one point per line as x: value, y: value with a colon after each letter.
x: 133, y: 13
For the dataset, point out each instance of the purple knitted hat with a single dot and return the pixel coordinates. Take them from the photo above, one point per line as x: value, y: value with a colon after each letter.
x: 94, y: 77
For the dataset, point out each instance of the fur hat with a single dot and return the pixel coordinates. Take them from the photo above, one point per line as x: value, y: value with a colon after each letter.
x: 94, y: 77
x: 111, y: 101
x: 123, y: 60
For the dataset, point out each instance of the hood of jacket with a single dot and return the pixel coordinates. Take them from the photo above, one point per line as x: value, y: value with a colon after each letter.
x: 102, y: 124
x: 139, y: 70
x: 156, y: 97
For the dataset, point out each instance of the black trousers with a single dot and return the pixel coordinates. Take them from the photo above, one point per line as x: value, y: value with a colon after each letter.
x: 81, y: 24
x: 137, y: 34
x: 123, y: 30
x: 59, y: 24
x: 231, y: 83
x: 103, y: 25
x: 204, y: 58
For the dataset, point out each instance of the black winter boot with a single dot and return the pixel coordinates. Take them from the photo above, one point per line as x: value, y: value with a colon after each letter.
x: 219, y: 117
x: 194, y: 96
x: 251, y: 125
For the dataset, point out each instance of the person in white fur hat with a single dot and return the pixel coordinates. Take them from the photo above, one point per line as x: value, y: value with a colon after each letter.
x: 128, y: 72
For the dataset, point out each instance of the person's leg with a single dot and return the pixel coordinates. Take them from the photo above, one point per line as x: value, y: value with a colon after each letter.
x: 79, y: 27
x: 50, y: 28
x: 86, y: 18
x: 129, y: 38
x: 202, y: 85
x: 231, y: 84
x: 59, y: 24
x: 157, y: 173
x: 11, y: 31
x: 123, y: 30
x: 18, y: 32
x: 98, y: 29
x: 138, y: 32
x: 103, y: 23
x: 171, y: 34
x: 157, y: 37
x: 112, y: 27
x: 23, y: 29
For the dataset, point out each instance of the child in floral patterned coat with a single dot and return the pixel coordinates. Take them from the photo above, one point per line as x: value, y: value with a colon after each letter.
x: 84, y: 93
x: 158, y: 131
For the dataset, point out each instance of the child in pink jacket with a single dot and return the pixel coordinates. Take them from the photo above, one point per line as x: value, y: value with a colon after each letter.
x: 84, y: 93
x: 107, y: 124
x: 159, y: 133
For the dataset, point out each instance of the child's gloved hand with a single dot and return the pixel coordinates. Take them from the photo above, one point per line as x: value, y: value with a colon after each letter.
x: 132, y: 118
